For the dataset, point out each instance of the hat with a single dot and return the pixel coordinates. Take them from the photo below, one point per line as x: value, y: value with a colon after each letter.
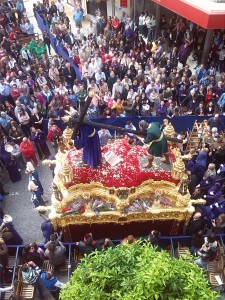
x: 30, y: 167
x: 32, y: 186
x: 3, y: 113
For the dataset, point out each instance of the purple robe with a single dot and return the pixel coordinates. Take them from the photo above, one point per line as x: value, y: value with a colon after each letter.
x: 10, y: 164
x: 91, y: 146
x: 161, y: 110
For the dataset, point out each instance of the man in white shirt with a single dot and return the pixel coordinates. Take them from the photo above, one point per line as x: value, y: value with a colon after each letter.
x: 78, y: 33
x: 133, y: 63
x: 100, y: 39
x: 98, y: 61
x: 14, y: 81
x: 92, y: 68
x: 84, y: 54
x: 117, y: 87
x: 29, y: 28
x: 141, y: 21
x: 60, y: 6
x: 99, y: 75
x: 5, y: 88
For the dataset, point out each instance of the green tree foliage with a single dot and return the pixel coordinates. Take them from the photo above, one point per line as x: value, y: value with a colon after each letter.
x: 136, y: 272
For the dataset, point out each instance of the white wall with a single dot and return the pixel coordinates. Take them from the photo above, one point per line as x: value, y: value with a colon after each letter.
x: 110, y: 8
x: 118, y: 9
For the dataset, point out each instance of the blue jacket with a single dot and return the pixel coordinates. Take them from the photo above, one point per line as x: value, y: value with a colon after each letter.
x: 4, y: 122
x: 78, y: 15
x: 49, y: 283
x: 19, y: 6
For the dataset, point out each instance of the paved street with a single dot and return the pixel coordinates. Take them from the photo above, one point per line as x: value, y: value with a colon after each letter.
x: 18, y: 204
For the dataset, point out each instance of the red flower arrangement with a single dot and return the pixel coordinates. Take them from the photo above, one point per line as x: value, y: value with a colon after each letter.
x: 127, y: 173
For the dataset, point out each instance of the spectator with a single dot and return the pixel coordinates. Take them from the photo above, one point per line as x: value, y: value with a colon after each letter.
x: 24, y: 121
x: 15, y: 133
x: 215, y: 122
x: 154, y: 239
x: 31, y: 273
x: 78, y: 15
x: 32, y: 251
x: 195, y: 224
x: 3, y: 253
x: 52, y: 283
x: 88, y: 244
x: 130, y: 239
x: 54, y: 135
x: 5, y: 121
x: 197, y: 242
x: 183, y: 53
x: 60, y: 7
x: 27, y: 150
x: 208, y: 251
x: 69, y: 74
x: 104, y: 136
x: 38, y: 137
x: 56, y: 254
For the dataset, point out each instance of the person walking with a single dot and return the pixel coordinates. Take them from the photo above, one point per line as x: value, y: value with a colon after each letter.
x: 35, y: 185
x: 78, y: 15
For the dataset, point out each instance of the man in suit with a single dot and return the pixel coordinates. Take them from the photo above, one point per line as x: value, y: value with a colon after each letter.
x: 69, y: 74
x: 69, y: 38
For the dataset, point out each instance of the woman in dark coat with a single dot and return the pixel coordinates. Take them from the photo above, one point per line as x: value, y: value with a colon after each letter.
x: 15, y: 133
x: 37, y: 119
x: 38, y: 137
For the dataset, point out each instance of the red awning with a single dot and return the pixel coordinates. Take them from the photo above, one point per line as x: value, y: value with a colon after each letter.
x: 206, y: 13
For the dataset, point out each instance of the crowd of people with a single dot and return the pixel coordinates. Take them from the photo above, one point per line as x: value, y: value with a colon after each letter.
x: 133, y: 73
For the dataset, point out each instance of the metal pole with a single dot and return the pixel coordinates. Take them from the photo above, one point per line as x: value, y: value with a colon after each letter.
x: 69, y: 263
x: 157, y: 17
x: 208, y: 40
x: 113, y: 8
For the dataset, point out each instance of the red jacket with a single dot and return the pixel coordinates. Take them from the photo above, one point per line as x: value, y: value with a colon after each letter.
x: 27, y: 149
x: 40, y: 97
x: 54, y: 135
x: 15, y: 94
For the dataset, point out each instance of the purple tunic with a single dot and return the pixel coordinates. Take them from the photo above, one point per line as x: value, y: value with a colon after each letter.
x: 10, y: 164
x: 90, y: 143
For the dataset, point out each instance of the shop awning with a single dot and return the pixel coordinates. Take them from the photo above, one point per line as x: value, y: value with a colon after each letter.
x: 206, y: 13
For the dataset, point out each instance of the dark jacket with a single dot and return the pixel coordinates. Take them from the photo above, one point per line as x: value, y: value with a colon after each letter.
x: 69, y: 75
